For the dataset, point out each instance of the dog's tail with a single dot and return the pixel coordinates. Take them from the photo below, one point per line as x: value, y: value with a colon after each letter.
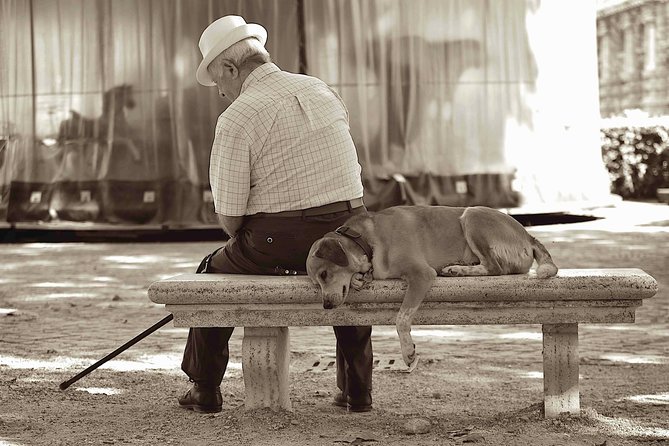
x: 545, y: 265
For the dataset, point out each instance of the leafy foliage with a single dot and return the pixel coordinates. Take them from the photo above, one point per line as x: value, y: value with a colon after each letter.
x: 637, y: 158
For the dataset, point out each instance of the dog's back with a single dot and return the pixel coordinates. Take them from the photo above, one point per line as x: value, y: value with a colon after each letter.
x: 445, y: 235
x: 432, y: 234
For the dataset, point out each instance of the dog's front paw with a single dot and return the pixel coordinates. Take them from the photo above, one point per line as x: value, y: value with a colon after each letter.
x: 452, y: 271
x: 368, y: 277
x: 411, y: 367
x: 359, y: 280
x: 409, y: 355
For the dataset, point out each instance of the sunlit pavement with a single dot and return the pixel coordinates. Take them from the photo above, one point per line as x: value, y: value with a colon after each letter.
x: 62, y: 305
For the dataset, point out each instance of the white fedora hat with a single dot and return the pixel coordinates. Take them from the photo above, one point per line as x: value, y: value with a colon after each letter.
x: 221, y: 35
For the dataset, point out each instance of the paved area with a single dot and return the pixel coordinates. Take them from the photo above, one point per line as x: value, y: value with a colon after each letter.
x: 99, y: 290
x: 63, y: 306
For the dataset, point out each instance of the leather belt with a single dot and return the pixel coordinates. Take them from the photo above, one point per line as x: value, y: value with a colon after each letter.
x: 331, y: 208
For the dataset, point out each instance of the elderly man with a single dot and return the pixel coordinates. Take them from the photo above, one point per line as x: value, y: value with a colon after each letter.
x: 283, y: 172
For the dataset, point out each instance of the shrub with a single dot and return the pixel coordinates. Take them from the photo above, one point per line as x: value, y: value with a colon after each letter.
x: 636, y: 156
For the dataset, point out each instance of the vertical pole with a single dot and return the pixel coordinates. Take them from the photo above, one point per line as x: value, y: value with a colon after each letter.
x: 33, y: 78
x: 560, y: 369
x: 302, y: 37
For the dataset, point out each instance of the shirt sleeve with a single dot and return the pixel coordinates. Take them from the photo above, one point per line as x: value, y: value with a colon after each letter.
x: 341, y: 102
x: 229, y: 167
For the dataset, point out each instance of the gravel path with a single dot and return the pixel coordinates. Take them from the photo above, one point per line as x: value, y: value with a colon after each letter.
x: 63, y: 306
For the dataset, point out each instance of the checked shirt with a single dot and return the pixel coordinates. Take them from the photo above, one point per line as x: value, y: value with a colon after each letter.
x: 284, y: 144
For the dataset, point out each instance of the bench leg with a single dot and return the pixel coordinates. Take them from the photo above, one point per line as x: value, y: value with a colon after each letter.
x: 265, y: 361
x: 560, y: 369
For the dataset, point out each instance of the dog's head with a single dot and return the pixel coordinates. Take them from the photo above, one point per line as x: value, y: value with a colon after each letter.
x: 331, y: 264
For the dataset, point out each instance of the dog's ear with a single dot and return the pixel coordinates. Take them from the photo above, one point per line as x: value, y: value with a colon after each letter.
x: 330, y: 249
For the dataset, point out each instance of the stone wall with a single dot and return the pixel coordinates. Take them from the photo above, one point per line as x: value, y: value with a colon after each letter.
x: 633, y: 53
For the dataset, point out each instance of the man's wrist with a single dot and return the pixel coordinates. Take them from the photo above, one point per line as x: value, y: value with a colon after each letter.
x: 230, y: 225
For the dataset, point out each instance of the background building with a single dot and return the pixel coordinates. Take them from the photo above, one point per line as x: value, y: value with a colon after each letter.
x: 633, y: 41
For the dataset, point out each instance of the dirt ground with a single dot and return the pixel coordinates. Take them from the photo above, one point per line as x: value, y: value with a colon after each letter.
x: 63, y: 306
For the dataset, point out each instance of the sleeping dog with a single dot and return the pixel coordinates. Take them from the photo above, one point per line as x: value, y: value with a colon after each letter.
x: 417, y: 243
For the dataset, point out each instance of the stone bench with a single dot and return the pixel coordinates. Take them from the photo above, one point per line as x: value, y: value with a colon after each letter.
x: 267, y: 305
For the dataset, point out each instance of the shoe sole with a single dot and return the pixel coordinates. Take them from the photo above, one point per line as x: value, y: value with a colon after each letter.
x: 350, y: 408
x: 201, y: 409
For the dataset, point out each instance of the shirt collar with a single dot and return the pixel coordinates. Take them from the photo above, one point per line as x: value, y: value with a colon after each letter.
x: 258, y: 74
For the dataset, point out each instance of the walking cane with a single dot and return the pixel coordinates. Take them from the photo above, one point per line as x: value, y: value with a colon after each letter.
x: 65, y: 384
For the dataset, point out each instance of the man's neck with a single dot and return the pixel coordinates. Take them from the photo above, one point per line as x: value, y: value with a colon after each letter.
x: 247, y: 69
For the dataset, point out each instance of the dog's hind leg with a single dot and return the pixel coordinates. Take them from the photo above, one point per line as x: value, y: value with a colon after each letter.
x: 479, y: 245
x: 470, y: 270
x: 487, y: 266
x: 419, y: 279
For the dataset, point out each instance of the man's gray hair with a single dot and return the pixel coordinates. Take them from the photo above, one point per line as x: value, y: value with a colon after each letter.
x: 241, y: 53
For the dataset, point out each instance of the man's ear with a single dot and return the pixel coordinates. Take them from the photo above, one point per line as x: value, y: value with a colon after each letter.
x: 330, y: 249
x: 230, y: 69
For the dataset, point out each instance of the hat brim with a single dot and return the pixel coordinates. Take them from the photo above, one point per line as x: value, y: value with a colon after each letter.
x: 240, y: 33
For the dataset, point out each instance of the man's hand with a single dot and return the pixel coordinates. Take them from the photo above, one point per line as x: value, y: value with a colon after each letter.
x: 230, y: 224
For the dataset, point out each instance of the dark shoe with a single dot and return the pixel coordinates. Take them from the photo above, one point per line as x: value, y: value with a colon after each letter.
x: 362, y: 403
x: 202, y: 399
x: 340, y: 399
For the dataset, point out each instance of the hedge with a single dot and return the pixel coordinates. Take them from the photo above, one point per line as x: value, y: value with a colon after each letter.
x: 636, y: 155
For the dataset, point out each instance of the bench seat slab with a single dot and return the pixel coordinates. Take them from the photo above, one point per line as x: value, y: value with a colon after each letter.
x: 571, y: 285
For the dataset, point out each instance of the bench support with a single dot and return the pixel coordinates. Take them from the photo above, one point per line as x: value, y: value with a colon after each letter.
x: 265, y: 361
x: 560, y: 369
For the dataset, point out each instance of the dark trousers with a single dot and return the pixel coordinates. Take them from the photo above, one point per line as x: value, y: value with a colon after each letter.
x: 274, y: 245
